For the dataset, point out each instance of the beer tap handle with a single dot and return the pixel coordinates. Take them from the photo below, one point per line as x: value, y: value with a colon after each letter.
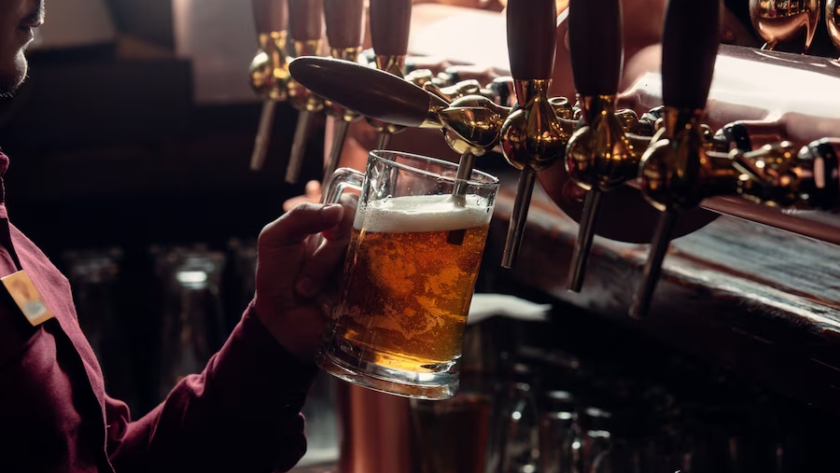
x: 595, y: 31
x: 306, y: 24
x: 384, y: 96
x: 345, y: 31
x: 345, y: 22
x: 390, y: 25
x: 530, y: 37
x: 270, y: 18
x: 690, y: 42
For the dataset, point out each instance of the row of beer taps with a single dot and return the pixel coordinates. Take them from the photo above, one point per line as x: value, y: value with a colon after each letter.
x: 674, y: 159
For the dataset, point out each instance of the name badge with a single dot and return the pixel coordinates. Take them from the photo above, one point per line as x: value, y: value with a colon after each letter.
x: 27, y: 298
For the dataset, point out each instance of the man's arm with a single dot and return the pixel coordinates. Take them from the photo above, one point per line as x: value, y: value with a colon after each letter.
x: 241, y: 414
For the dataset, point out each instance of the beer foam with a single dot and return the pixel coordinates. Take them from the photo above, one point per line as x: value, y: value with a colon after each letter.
x: 423, y: 213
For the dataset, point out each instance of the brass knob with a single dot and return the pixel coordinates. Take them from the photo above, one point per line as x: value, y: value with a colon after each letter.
x: 781, y: 21
x: 832, y: 21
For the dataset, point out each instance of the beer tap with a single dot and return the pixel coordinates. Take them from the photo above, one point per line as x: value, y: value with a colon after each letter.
x: 269, y: 71
x: 306, y: 25
x: 676, y: 172
x: 345, y: 32
x: 779, y: 21
x: 599, y: 156
x: 532, y: 137
x: 390, y: 23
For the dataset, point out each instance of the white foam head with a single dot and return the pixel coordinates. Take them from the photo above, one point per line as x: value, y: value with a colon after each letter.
x: 423, y: 213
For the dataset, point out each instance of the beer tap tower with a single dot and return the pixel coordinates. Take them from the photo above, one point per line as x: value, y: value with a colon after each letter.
x: 390, y: 26
x: 306, y: 25
x: 532, y: 137
x: 345, y: 33
x: 269, y: 70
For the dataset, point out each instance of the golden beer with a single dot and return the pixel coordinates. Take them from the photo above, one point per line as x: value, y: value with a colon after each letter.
x: 408, y: 281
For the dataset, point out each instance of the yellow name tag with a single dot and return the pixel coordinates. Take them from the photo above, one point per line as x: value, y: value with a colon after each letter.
x: 27, y: 298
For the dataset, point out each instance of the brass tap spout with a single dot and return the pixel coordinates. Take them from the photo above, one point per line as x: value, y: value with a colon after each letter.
x: 269, y: 71
x: 676, y: 172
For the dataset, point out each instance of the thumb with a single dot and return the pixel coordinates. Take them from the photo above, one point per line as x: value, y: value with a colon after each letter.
x: 297, y: 224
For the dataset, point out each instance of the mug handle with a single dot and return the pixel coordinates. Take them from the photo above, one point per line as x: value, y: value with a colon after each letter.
x: 341, y: 180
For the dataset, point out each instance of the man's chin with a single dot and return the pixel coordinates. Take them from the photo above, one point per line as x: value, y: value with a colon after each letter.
x: 12, y: 78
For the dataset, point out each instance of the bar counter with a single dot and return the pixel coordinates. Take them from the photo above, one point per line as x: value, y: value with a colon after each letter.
x: 761, y: 302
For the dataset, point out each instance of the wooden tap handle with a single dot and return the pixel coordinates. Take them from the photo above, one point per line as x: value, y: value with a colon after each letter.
x: 390, y: 24
x: 365, y: 90
x: 345, y: 20
x: 595, y: 46
x: 306, y: 19
x: 531, y: 26
x: 270, y: 15
x: 689, y: 48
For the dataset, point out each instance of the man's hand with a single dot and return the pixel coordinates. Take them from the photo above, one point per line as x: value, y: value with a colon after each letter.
x: 292, y: 273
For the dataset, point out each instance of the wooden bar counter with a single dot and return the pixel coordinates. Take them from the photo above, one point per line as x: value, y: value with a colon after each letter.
x: 760, y: 301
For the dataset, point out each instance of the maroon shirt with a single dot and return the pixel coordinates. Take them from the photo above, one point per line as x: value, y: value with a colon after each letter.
x: 241, y: 415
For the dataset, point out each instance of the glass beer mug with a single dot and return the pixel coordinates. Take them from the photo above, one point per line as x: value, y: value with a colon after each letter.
x: 409, y: 276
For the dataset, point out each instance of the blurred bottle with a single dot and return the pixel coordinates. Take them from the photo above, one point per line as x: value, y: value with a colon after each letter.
x: 192, y: 329
x: 558, y: 431
x: 519, y: 425
x: 94, y: 279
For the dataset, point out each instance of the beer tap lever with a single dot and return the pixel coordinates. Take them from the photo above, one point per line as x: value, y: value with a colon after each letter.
x: 306, y: 25
x: 676, y: 173
x: 599, y: 156
x: 390, y: 23
x: 470, y: 124
x: 532, y: 137
x: 344, y: 19
x: 383, y: 97
x: 269, y: 71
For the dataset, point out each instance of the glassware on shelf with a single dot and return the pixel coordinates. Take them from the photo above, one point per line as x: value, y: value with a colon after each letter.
x: 192, y: 329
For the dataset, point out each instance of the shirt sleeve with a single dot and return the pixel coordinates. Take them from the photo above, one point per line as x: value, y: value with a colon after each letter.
x: 241, y: 414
